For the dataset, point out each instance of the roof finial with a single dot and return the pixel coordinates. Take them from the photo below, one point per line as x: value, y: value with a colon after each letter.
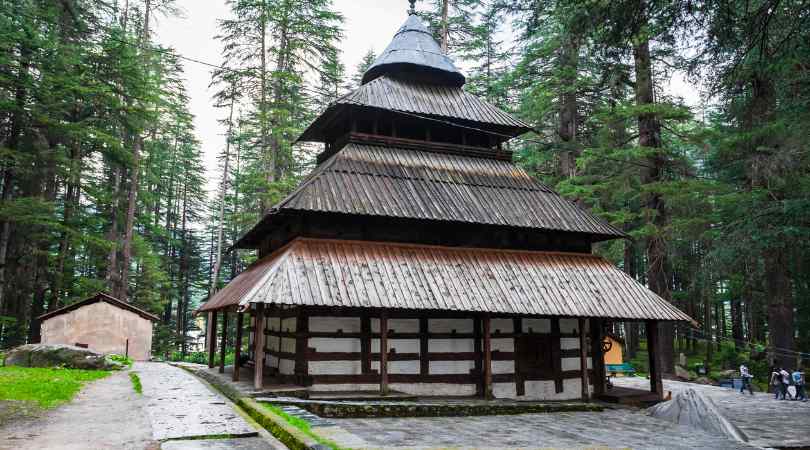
x: 412, y: 11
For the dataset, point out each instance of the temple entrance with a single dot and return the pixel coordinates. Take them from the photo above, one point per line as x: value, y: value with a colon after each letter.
x: 534, y: 358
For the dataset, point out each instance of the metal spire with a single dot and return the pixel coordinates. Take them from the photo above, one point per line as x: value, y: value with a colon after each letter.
x: 412, y: 11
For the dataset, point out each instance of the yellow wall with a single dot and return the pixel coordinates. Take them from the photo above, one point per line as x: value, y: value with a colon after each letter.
x: 614, y: 355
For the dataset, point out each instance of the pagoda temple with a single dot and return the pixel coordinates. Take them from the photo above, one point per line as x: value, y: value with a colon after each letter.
x: 417, y: 258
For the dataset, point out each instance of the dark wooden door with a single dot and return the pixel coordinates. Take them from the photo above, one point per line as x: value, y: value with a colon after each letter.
x: 534, y: 357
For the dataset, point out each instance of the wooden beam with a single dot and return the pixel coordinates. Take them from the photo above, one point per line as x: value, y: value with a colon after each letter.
x: 556, y: 355
x: 478, y: 353
x: 583, y: 359
x: 365, y: 344
x: 237, y: 348
x: 223, y: 346
x: 424, y: 362
x: 383, y: 353
x: 653, y: 344
x: 598, y: 359
x: 301, y: 344
x: 212, y: 337
x: 517, y: 331
x: 487, y: 359
x: 258, y: 349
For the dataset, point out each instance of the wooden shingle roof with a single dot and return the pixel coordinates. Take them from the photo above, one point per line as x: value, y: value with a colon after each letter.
x: 429, y: 100
x: 373, y: 180
x: 413, y: 49
x: 366, y: 274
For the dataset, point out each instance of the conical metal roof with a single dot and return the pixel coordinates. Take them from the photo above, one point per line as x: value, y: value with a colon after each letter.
x: 414, y: 53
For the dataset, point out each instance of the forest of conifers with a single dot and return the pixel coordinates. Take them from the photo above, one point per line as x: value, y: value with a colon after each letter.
x: 104, y: 187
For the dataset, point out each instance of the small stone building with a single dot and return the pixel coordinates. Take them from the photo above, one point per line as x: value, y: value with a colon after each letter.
x: 103, y: 324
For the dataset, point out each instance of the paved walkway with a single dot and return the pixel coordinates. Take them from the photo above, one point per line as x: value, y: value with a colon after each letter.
x: 766, y: 422
x: 176, y: 412
x: 107, y: 414
x: 609, y: 429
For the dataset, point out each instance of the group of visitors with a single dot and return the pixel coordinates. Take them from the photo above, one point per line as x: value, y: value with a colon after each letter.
x: 785, y: 384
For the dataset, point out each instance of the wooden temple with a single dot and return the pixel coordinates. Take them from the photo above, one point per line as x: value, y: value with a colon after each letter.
x: 418, y: 258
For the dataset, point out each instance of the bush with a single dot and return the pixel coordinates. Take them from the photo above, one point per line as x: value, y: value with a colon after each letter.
x: 120, y: 359
x: 199, y: 358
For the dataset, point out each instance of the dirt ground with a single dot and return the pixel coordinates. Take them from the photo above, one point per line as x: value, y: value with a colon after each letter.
x: 107, y: 414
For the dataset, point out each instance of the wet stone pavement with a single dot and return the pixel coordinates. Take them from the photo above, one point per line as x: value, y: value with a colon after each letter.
x: 765, y: 422
x: 619, y: 428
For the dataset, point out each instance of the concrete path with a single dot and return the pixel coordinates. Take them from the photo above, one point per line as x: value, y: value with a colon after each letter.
x: 106, y: 414
x: 176, y: 412
x: 764, y: 421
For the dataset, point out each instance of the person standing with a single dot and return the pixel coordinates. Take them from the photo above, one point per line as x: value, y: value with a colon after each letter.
x: 776, y: 382
x: 746, y: 379
x: 785, y: 382
x: 798, y: 381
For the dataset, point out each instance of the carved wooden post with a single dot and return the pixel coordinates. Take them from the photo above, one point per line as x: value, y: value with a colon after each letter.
x: 237, y: 348
x: 487, y: 359
x: 656, y: 384
x: 212, y: 337
x: 583, y: 360
x: 597, y: 358
x: 383, y: 353
x: 223, y: 346
x: 258, y: 350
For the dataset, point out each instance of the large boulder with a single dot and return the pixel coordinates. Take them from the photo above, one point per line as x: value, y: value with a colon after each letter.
x: 683, y: 374
x: 692, y: 408
x: 57, y: 355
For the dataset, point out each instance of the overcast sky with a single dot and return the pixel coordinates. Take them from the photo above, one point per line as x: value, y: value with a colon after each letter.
x: 369, y: 24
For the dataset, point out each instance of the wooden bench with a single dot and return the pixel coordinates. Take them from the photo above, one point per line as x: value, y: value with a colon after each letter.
x: 618, y: 369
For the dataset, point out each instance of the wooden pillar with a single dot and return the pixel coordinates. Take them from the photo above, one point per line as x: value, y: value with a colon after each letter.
x: 424, y: 363
x: 223, y: 346
x: 237, y: 348
x: 520, y: 381
x: 597, y: 358
x: 653, y: 347
x: 258, y: 349
x: 479, y: 356
x: 365, y: 344
x: 583, y: 360
x: 383, y: 353
x: 301, y: 346
x: 487, y: 359
x: 556, y: 355
x: 212, y: 337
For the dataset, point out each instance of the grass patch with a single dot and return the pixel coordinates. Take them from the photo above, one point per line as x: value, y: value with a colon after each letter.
x: 121, y: 359
x: 136, y: 382
x: 45, y: 386
x: 301, y: 425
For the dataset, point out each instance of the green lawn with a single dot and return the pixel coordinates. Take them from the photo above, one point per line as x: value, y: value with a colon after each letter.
x: 45, y: 387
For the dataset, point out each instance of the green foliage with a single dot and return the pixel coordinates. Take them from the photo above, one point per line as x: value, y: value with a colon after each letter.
x: 126, y: 361
x: 302, y: 425
x: 46, y: 387
x: 200, y: 357
x: 136, y: 382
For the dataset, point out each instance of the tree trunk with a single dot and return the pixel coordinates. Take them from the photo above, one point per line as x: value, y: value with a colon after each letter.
x: 445, y: 29
x: 658, y: 272
x: 223, y: 189
x: 567, y: 126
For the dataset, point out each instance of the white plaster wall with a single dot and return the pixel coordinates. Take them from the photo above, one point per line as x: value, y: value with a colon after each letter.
x: 335, y: 344
x: 570, y: 325
x: 536, y: 325
x: 503, y: 367
x: 403, y: 325
x: 346, y: 387
x: 274, y: 323
x: 335, y: 368
x: 451, y: 345
x: 288, y: 345
x: 407, y: 367
x: 286, y: 366
x: 503, y: 345
x: 448, y: 325
x: 288, y: 324
x: 427, y: 389
x: 332, y: 324
x: 544, y: 390
x: 569, y: 343
x: 450, y: 367
x: 501, y: 325
x: 504, y: 390
x: 570, y: 364
x: 104, y: 328
x: 399, y: 345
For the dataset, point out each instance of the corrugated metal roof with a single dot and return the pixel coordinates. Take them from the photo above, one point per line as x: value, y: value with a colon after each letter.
x: 413, y: 48
x: 405, y: 183
x: 402, y: 276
